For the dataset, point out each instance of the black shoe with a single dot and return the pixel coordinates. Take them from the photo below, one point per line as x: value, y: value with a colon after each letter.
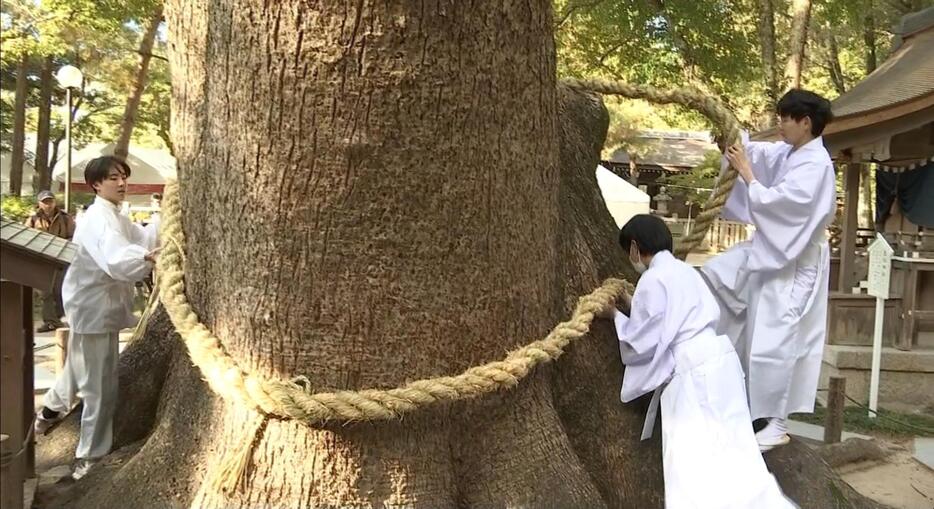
x: 46, y: 420
x: 46, y: 327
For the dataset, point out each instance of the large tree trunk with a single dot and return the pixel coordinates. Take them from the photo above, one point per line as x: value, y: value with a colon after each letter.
x: 17, y: 158
x: 43, y: 171
x: 381, y: 203
x: 801, y: 15
x: 139, y: 85
x: 766, y: 25
x: 833, y: 61
x: 869, y: 37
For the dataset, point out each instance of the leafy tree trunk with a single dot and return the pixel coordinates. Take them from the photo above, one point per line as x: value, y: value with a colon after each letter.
x: 685, y: 49
x: 371, y: 195
x: 869, y: 38
x: 833, y: 61
x: 801, y: 15
x: 766, y: 25
x: 17, y: 158
x: 57, y: 144
x: 139, y: 85
x: 43, y: 170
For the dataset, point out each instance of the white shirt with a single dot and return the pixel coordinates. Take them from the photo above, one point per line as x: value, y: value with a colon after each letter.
x: 671, y: 304
x: 791, y: 202
x: 97, y: 291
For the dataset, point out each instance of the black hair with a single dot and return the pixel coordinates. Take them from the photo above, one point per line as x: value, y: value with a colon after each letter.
x: 798, y: 103
x: 98, y: 169
x: 650, y: 233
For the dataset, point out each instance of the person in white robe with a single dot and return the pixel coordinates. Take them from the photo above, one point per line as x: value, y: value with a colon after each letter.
x: 772, y: 289
x: 113, y: 253
x: 669, y: 345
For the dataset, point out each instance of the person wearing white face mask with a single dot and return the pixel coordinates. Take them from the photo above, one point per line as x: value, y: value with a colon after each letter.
x: 670, y: 348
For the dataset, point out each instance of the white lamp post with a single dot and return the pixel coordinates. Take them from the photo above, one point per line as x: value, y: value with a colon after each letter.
x: 69, y: 77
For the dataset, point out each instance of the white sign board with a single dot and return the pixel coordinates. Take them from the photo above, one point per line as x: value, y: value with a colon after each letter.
x: 880, y: 270
x: 880, y: 267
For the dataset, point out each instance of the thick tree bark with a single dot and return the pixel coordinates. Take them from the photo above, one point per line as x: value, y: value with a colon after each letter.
x: 43, y: 171
x: 766, y: 25
x: 17, y: 158
x: 139, y: 85
x: 801, y: 15
x: 396, y: 217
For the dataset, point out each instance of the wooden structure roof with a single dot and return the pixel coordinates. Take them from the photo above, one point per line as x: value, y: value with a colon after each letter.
x: 32, y: 257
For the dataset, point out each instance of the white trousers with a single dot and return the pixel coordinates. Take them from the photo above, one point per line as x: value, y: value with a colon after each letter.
x: 90, y: 375
x: 710, y: 456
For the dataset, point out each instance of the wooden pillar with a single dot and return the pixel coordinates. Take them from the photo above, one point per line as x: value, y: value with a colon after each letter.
x: 850, y: 223
x: 11, y: 392
x: 836, y: 401
x: 29, y: 392
x: 906, y: 335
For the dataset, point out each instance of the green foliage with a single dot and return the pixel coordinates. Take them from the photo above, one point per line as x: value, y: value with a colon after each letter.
x: 17, y: 208
x: 714, y: 44
x: 695, y: 185
x: 99, y: 37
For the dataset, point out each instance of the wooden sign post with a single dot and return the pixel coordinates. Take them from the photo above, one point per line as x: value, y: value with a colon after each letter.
x: 880, y: 271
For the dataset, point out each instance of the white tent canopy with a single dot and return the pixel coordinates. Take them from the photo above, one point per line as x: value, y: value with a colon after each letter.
x: 29, y: 171
x: 622, y: 199
x: 148, y: 166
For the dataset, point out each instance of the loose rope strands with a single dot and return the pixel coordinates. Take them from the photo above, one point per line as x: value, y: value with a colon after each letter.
x: 710, y: 107
x: 293, y: 400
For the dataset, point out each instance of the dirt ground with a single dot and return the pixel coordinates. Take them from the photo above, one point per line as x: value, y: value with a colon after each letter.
x: 898, y: 481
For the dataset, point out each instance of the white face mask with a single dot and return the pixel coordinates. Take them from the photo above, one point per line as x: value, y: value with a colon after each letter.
x: 637, y: 264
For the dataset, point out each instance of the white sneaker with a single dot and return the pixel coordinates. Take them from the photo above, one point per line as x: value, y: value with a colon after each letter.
x: 82, y: 466
x: 43, y: 424
x: 769, y: 443
x: 773, y: 435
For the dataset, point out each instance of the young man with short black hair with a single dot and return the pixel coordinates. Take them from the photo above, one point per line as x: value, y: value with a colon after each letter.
x: 670, y: 347
x: 113, y: 253
x: 772, y: 289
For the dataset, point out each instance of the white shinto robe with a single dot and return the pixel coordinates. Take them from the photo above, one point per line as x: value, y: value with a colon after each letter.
x: 669, y: 345
x: 772, y: 289
x: 98, y: 297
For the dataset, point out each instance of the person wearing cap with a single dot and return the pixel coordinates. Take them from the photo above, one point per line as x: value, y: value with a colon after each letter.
x: 112, y: 254
x: 49, y: 218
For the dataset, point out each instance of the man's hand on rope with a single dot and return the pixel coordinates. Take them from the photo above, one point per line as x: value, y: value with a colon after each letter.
x: 153, y: 255
x: 736, y: 155
x: 623, y: 304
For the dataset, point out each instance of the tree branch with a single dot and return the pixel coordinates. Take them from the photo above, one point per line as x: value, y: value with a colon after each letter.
x: 573, y: 7
x: 152, y: 55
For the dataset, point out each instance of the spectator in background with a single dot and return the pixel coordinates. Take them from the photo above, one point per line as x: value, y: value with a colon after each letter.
x: 51, y: 219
